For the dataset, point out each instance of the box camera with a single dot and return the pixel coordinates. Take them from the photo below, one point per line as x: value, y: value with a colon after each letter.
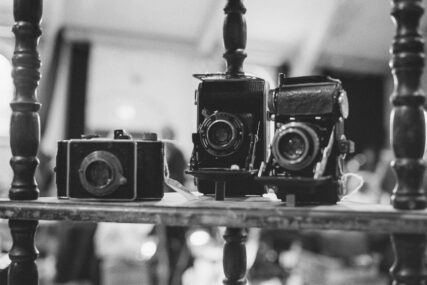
x: 231, y: 129
x: 119, y: 169
x: 308, y: 146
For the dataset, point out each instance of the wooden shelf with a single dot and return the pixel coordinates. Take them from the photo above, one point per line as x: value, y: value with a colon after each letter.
x: 174, y: 209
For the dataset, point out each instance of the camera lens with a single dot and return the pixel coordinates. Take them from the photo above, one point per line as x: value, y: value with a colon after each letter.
x: 292, y: 146
x: 99, y: 174
x: 220, y: 134
x: 295, y: 146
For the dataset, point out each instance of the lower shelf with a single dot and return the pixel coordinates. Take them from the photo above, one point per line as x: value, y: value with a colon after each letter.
x: 174, y: 209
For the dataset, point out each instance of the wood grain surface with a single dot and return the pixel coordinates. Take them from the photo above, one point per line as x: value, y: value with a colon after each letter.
x: 174, y: 209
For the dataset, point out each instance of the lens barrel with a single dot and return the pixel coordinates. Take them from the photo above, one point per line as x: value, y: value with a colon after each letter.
x: 101, y: 173
x: 221, y: 134
x: 295, y: 146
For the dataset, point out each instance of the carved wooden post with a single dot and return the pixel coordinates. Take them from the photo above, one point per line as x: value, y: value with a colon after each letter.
x: 409, y: 265
x: 407, y: 118
x: 23, y: 269
x: 234, y: 259
x: 24, y: 125
x: 234, y: 33
x: 408, y: 137
x: 24, y: 137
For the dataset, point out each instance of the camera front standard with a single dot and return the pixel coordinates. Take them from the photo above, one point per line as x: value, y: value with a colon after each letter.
x: 119, y: 169
x: 308, y: 145
x: 231, y: 131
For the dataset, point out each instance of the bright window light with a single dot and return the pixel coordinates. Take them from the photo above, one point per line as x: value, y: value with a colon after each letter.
x: 199, y: 237
x: 148, y: 249
x: 125, y: 112
x: 6, y: 93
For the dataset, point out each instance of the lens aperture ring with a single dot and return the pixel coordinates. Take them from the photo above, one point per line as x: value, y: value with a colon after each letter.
x: 101, y: 173
x: 295, y: 146
x: 222, y: 134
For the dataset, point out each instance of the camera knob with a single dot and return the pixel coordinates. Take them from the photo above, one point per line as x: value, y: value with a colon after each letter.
x: 148, y: 136
x: 271, y: 100
x: 121, y: 135
x: 89, y: 136
x: 281, y: 79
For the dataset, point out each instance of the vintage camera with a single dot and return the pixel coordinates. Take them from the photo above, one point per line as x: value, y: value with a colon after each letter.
x: 119, y: 169
x: 231, y: 130
x: 309, y: 145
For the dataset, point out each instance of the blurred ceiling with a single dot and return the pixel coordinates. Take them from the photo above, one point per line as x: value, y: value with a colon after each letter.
x: 304, y: 33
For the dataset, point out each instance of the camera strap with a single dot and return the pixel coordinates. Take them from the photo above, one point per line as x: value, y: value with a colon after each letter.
x: 175, y: 185
x: 182, y: 190
x: 321, y: 166
x: 356, y: 189
x: 253, y: 147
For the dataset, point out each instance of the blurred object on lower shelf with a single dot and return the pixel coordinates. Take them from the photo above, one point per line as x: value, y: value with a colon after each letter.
x: 208, y: 271
x: 125, y: 250
x: 267, y: 268
x: 5, y: 243
x: 4, y: 266
x: 315, y: 269
x: 46, y: 268
x: 75, y: 256
x: 206, y: 246
x: 121, y: 241
x: 5, y: 238
x: 69, y: 283
x: 124, y: 272
x: 320, y: 257
x: 5, y: 170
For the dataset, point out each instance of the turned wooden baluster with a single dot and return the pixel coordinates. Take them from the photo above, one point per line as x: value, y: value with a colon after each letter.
x: 24, y: 137
x: 24, y: 125
x: 407, y: 118
x: 23, y: 269
x: 408, y: 137
x: 409, y: 265
x: 234, y: 259
x: 234, y: 33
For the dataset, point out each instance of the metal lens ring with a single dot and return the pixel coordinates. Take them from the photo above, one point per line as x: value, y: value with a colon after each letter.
x: 221, y: 134
x: 101, y: 173
x: 295, y: 146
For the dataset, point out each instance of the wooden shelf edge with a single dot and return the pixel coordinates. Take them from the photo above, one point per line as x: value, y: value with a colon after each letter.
x: 253, y: 212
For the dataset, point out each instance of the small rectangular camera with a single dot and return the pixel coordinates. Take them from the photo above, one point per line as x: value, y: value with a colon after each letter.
x: 309, y: 145
x: 119, y: 169
x: 231, y: 130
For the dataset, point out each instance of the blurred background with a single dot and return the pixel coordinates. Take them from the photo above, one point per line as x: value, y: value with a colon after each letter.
x: 111, y: 64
